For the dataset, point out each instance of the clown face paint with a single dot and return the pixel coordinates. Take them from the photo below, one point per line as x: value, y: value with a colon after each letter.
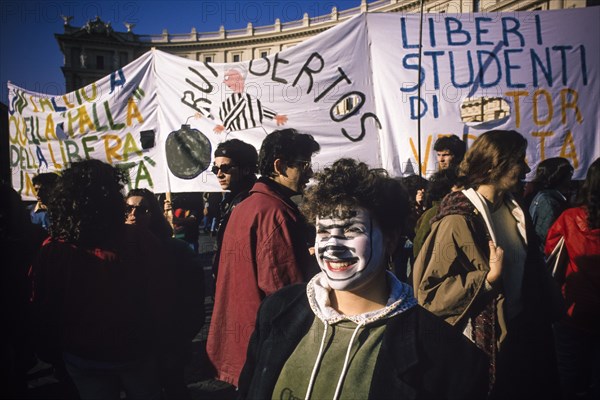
x: 350, y: 251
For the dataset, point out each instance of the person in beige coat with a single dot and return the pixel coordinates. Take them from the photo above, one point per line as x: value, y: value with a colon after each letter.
x: 481, y: 270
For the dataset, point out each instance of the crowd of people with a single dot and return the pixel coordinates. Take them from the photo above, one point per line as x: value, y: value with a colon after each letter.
x: 345, y: 283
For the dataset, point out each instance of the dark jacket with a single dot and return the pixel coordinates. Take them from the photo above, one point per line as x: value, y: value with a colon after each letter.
x: 545, y: 208
x: 230, y: 201
x: 421, y: 357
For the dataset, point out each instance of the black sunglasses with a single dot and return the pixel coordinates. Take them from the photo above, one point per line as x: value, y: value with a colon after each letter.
x: 225, y: 168
x: 135, y: 209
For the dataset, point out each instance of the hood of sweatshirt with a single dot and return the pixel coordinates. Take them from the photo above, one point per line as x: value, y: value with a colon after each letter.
x: 401, y: 299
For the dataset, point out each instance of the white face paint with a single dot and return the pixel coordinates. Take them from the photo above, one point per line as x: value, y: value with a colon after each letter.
x: 350, y: 251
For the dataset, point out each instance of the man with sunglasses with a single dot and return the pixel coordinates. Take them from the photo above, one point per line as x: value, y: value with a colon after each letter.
x: 235, y: 166
x: 264, y: 248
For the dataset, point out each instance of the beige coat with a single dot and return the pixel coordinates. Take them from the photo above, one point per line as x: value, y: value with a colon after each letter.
x: 450, y: 270
x: 450, y: 281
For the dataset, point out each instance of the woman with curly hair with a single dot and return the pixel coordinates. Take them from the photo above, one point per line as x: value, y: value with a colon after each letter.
x: 355, y: 330
x: 479, y: 272
x: 101, y: 293
x: 578, y: 334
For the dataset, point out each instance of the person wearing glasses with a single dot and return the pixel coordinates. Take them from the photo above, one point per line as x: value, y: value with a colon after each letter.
x: 235, y: 166
x: 143, y: 210
x: 265, y: 247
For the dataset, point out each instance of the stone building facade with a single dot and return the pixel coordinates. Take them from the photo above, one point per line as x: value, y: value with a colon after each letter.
x: 96, y: 49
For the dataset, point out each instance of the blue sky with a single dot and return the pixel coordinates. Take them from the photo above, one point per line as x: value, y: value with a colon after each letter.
x: 30, y: 56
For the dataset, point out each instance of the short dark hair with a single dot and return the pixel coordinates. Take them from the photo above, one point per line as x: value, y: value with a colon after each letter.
x: 46, y: 181
x: 243, y: 154
x: 287, y: 145
x: 45, y: 178
x: 159, y: 225
x: 414, y: 183
x: 440, y: 184
x: 589, y: 195
x: 552, y: 172
x: 490, y: 157
x: 349, y: 183
x: 453, y: 144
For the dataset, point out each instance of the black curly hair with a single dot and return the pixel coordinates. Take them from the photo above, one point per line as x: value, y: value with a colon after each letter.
x: 552, y: 173
x: 243, y: 154
x: 286, y: 144
x: 453, y: 144
x: 159, y: 225
x: 87, y: 206
x: 349, y: 183
x: 589, y: 195
x: 440, y: 184
x: 46, y: 182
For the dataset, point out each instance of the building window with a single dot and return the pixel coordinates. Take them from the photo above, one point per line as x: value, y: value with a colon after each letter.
x: 99, y: 62
x: 476, y: 5
x: 236, y: 58
x: 264, y: 54
x: 208, y: 59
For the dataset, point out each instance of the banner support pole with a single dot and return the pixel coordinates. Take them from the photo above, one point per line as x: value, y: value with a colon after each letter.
x: 419, y: 89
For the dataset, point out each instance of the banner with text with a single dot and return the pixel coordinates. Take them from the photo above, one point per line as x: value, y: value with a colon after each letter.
x: 354, y: 88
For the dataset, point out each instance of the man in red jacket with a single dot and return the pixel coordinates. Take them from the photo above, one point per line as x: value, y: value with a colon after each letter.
x: 265, y: 247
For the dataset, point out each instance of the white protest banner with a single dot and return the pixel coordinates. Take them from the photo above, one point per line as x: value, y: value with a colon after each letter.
x: 543, y: 65
x: 353, y: 87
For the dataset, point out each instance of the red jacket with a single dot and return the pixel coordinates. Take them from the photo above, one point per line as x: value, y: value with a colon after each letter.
x: 264, y: 248
x: 582, y: 284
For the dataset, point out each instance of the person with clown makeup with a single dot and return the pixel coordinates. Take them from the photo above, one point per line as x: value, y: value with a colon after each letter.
x: 355, y: 330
